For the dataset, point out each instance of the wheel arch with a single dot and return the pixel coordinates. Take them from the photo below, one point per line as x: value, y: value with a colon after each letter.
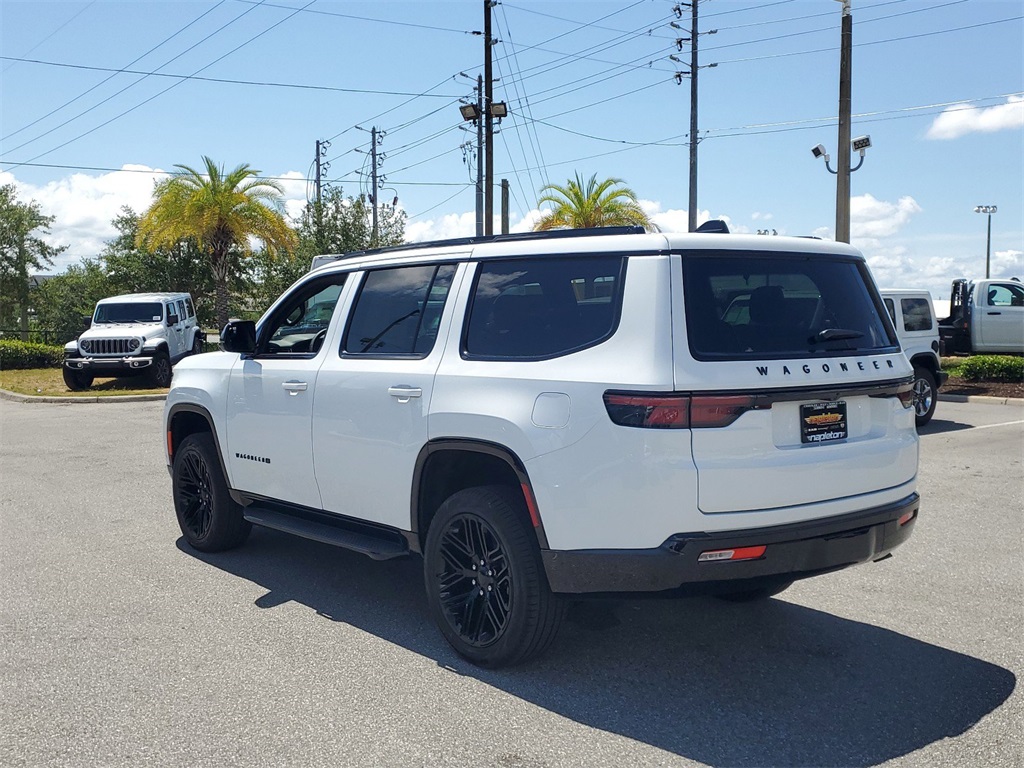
x: 446, y: 466
x: 185, y: 419
x: 926, y: 360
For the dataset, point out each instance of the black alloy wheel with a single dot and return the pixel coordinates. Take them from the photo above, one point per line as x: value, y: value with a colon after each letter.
x: 485, y: 580
x: 476, y: 583
x: 210, y: 520
x: 160, y: 371
x: 925, y: 398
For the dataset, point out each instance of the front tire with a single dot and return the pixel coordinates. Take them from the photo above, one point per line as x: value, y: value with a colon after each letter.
x: 160, y: 370
x: 197, y: 344
x: 210, y: 520
x: 76, y: 380
x: 485, y: 582
x: 925, y: 395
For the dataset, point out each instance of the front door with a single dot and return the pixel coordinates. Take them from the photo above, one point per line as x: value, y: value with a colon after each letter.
x: 1003, y: 323
x: 373, y: 393
x: 174, y: 330
x: 271, y: 395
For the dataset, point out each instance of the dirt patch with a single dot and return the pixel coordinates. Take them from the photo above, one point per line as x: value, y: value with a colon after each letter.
x: 957, y: 386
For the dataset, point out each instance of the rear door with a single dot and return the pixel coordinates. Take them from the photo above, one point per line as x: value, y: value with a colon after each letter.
x: 794, y: 401
x: 373, y: 392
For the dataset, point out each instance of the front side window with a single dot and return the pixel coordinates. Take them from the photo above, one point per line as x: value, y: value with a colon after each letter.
x: 776, y: 305
x: 917, y: 314
x: 398, y: 311
x: 299, y: 325
x: 543, y: 307
x: 172, y: 313
x: 1005, y: 296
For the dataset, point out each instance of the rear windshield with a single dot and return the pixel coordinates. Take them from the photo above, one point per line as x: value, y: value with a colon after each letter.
x: 742, y: 306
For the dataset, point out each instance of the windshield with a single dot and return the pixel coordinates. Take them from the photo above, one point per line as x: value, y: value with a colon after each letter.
x: 756, y: 305
x: 134, y: 312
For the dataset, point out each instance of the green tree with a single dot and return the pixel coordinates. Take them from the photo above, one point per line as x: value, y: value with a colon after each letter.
x: 22, y: 251
x: 265, y: 276
x: 578, y: 205
x: 342, y: 224
x: 64, y: 301
x: 220, y: 213
x: 177, y: 267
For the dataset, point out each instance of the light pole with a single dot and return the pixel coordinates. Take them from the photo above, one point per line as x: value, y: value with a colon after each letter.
x: 989, y: 209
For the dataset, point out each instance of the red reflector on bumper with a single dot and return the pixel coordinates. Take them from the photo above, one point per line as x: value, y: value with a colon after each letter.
x: 906, y: 517
x: 732, y: 555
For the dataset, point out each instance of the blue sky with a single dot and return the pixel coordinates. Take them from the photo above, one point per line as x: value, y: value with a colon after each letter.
x: 939, y: 86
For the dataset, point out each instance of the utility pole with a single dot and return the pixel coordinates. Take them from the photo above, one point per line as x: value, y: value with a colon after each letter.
x: 692, y: 205
x: 318, y: 210
x: 504, y: 206
x: 373, y: 172
x: 845, y: 106
x: 479, y: 156
x: 318, y: 171
x: 488, y: 123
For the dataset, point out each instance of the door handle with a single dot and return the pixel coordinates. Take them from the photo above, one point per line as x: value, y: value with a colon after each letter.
x: 995, y: 313
x: 404, y: 392
x: 294, y: 387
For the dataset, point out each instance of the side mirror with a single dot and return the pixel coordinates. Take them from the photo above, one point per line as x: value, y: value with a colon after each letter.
x: 172, y: 320
x: 239, y: 336
x: 87, y: 321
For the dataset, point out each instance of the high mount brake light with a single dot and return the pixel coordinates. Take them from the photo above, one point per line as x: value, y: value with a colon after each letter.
x: 660, y: 411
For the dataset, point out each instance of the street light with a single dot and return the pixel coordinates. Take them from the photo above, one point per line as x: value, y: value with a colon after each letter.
x: 861, y: 144
x: 988, y: 209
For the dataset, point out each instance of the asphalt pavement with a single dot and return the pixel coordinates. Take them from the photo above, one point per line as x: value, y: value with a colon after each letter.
x: 121, y: 646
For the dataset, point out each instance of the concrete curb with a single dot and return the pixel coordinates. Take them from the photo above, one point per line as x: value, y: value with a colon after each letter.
x: 7, y: 395
x: 981, y: 399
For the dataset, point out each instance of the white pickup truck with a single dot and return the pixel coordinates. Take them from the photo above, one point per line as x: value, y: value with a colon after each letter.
x: 985, y: 316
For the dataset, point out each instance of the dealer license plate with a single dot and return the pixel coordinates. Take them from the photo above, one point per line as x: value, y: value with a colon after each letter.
x: 823, y: 422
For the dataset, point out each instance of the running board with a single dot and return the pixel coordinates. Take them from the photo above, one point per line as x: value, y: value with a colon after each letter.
x: 376, y: 547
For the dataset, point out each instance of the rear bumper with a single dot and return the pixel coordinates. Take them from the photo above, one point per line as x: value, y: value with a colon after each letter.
x: 794, y: 551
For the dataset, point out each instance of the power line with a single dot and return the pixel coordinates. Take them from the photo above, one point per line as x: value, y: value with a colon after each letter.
x: 434, y: 207
x: 170, y: 87
x: 228, y: 81
x: 389, y: 22
x: 58, y: 29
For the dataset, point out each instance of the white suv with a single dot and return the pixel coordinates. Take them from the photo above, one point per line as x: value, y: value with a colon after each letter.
x: 550, y: 415
x: 136, y: 334
x: 913, y: 314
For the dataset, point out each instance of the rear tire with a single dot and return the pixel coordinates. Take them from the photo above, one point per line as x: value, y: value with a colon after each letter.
x: 925, y: 395
x: 160, y: 370
x: 757, y: 593
x: 485, y: 582
x: 76, y: 380
x: 210, y: 520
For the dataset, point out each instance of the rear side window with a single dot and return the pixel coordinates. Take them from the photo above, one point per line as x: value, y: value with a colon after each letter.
x: 917, y: 315
x: 398, y: 311
x: 756, y: 305
x: 544, y: 307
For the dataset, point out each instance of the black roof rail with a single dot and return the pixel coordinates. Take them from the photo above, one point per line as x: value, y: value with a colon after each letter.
x: 714, y: 225
x: 552, y: 234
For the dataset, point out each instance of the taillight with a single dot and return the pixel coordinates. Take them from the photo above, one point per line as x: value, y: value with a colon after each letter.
x: 651, y: 411
x: 659, y: 411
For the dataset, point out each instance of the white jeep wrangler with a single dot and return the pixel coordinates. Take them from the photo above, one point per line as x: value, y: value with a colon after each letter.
x: 556, y: 414
x: 137, y: 334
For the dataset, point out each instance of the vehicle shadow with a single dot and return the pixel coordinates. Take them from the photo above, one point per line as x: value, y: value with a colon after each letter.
x: 940, y: 426
x: 723, y: 684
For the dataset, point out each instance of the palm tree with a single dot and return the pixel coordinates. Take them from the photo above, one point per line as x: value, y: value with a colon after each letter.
x: 220, y: 213
x: 592, y: 205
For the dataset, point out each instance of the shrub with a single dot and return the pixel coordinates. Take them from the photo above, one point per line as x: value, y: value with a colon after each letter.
x: 16, y: 354
x: 988, y: 368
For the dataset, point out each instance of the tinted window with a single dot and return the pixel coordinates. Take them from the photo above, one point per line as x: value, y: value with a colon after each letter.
x: 182, y: 314
x: 890, y: 307
x: 398, y: 311
x: 917, y: 314
x: 779, y: 305
x: 543, y: 307
x: 188, y: 306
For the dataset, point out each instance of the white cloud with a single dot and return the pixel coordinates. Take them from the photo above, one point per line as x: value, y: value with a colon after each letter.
x: 447, y: 226
x: 1007, y: 264
x: 961, y: 120
x: 83, y: 207
x: 758, y: 216
x: 871, y: 218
